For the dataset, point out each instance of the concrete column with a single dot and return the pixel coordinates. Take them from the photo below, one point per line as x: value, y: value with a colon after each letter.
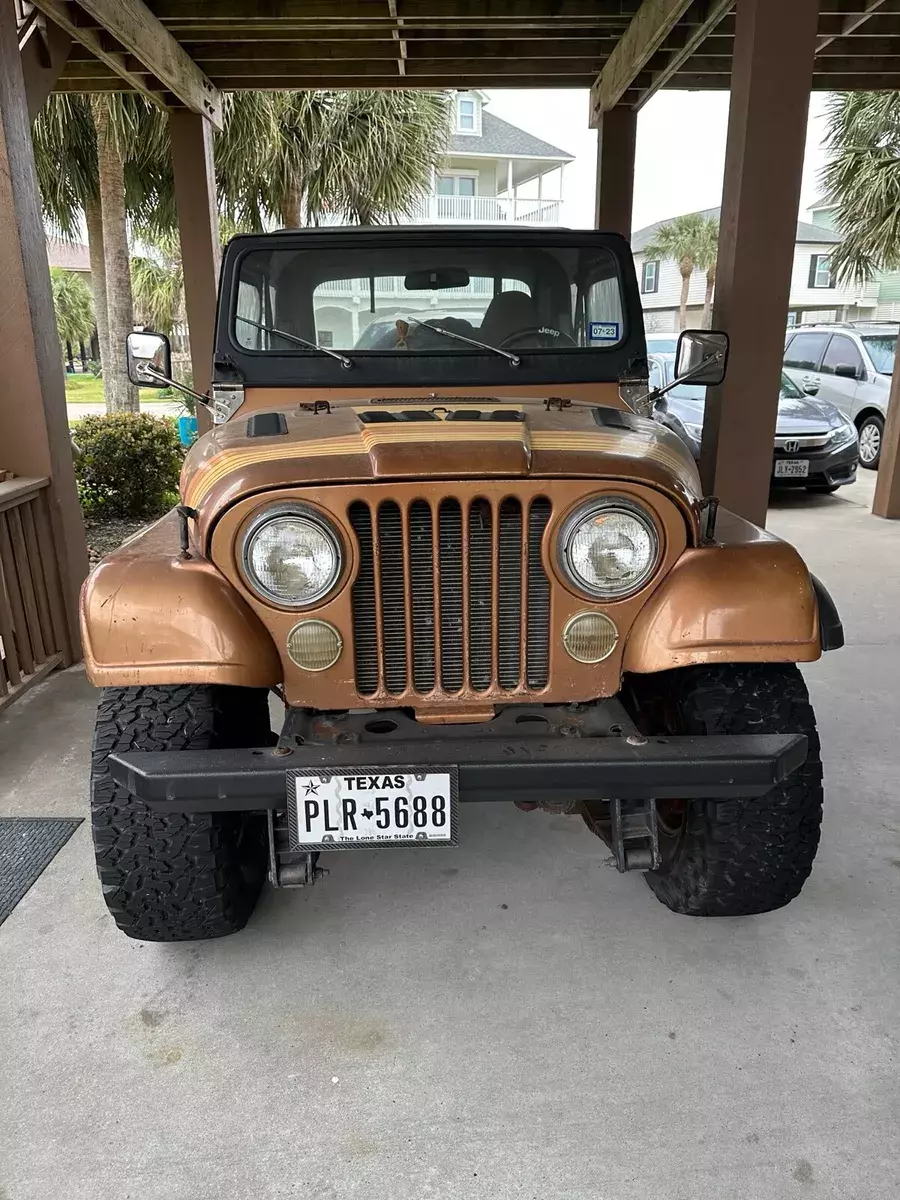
x: 198, y: 228
x: 34, y: 428
x: 887, y: 485
x: 616, y: 141
x: 771, y: 80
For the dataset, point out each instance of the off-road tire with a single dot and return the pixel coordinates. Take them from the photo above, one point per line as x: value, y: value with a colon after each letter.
x: 169, y: 877
x: 737, y: 857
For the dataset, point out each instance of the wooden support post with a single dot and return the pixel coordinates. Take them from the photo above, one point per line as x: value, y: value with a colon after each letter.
x: 34, y: 428
x: 774, y: 50
x: 45, y: 50
x: 616, y: 141
x: 198, y: 227
x: 887, y: 485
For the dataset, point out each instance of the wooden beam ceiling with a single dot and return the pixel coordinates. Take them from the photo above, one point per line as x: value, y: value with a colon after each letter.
x: 626, y: 50
x: 127, y: 32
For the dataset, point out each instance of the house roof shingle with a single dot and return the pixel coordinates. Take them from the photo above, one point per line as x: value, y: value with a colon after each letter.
x: 499, y: 137
x: 805, y: 232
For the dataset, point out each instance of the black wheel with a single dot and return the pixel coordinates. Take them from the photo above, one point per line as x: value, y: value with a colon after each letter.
x: 735, y: 857
x: 871, y: 435
x: 168, y: 877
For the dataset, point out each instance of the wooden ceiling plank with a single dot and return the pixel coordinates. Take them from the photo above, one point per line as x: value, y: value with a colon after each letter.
x: 649, y: 28
x: 62, y: 14
x: 142, y: 35
x: 694, y: 37
x: 851, y: 23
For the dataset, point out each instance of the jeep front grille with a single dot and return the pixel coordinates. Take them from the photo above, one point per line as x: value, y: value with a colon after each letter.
x: 451, y: 597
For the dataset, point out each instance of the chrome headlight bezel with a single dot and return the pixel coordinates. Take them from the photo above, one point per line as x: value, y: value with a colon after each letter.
x: 313, y: 517
x: 583, y: 512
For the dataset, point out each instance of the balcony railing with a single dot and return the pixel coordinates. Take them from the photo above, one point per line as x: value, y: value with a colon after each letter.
x: 468, y: 210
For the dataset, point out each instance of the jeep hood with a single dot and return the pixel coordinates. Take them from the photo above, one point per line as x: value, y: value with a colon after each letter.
x: 463, y: 441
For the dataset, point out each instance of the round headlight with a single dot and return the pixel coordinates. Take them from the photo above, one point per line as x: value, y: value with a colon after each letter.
x: 291, y: 556
x: 609, y: 548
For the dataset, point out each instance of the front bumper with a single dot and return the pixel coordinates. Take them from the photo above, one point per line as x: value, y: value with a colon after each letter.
x: 527, y: 753
x: 827, y: 468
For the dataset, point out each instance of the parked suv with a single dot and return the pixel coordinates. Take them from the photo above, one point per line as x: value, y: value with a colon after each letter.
x: 463, y: 566
x: 850, y: 365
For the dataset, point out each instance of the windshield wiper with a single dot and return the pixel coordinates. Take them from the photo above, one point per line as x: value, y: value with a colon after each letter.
x: 514, y: 360
x: 299, y: 341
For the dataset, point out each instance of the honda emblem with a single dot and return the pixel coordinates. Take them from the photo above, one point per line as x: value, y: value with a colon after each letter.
x: 792, y: 445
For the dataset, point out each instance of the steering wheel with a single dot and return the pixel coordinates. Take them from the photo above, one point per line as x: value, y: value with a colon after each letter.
x: 537, y: 337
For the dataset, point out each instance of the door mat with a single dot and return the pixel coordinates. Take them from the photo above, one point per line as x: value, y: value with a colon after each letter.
x: 27, y: 846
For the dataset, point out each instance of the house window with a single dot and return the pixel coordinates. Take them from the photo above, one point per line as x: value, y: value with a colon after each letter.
x: 650, y: 277
x: 456, y: 185
x: 466, y: 115
x: 820, y: 275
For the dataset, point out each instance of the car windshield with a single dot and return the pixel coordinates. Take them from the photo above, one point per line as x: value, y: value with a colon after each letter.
x: 881, y: 347
x: 383, y: 300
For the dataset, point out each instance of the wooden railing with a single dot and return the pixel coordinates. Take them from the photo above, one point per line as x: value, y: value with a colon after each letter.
x: 32, y: 618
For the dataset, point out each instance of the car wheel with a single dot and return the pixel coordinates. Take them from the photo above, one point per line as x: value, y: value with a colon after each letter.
x: 173, y: 877
x: 744, y: 856
x: 871, y: 435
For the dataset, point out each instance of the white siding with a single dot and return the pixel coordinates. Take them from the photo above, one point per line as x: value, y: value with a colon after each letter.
x: 669, y: 291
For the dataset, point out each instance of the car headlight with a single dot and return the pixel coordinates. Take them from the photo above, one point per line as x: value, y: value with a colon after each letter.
x: 844, y: 434
x: 291, y: 555
x: 694, y: 431
x: 609, y: 547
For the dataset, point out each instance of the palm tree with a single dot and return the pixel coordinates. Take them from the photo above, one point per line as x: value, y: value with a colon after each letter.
x: 862, y: 180
x: 135, y: 153
x: 74, y: 308
x: 157, y: 281
x: 295, y: 157
x: 691, y: 241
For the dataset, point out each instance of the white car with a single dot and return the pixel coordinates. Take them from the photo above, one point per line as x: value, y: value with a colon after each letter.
x: 850, y: 365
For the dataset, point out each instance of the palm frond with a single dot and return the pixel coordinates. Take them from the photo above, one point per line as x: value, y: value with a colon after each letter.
x: 72, y: 305
x: 862, y: 180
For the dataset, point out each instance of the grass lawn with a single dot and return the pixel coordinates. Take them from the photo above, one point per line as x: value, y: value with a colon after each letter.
x: 86, y: 389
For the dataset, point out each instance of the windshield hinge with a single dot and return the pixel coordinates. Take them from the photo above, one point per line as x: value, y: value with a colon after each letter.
x: 557, y: 402
x: 227, y: 399
x: 316, y: 407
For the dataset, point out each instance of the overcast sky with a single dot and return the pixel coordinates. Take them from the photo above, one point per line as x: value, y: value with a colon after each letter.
x: 680, y: 149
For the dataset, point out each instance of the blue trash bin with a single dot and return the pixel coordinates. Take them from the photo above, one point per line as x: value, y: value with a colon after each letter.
x: 187, y: 429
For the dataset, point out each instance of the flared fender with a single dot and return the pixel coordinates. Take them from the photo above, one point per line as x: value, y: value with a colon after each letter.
x: 748, y: 598
x: 150, y: 617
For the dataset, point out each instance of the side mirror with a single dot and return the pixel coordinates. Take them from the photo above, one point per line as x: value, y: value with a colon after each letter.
x: 149, y: 357
x: 811, y: 388
x: 846, y: 371
x: 702, y: 356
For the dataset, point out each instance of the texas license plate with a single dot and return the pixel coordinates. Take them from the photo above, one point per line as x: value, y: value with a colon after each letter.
x: 383, y: 806
x: 792, y: 468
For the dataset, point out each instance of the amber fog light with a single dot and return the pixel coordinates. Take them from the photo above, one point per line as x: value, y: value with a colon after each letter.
x: 314, y: 645
x: 590, y: 637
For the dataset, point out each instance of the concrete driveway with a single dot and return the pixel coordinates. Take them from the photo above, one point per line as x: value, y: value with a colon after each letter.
x: 508, y: 1020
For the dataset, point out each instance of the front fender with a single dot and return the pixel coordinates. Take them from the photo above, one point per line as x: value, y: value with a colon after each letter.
x: 150, y: 617
x: 748, y: 598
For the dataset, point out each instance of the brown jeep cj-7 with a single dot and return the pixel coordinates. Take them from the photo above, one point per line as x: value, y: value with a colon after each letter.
x: 436, y: 520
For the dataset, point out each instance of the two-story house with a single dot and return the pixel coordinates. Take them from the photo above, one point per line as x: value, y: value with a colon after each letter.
x: 816, y: 294
x: 494, y: 174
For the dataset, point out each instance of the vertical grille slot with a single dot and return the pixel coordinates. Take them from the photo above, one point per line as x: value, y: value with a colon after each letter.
x: 451, y: 598
x: 537, y: 642
x: 393, y: 599
x: 509, y: 621
x: 365, y: 628
x: 421, y: 569
x: 481, y: 563
x: 451, y: 573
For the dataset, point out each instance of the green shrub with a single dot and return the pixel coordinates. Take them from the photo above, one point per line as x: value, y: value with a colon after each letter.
x: 129, y: 464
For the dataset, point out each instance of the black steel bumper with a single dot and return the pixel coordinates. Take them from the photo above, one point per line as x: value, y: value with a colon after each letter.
x: 529, y: 768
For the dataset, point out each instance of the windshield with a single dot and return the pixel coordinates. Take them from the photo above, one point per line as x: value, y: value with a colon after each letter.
x: 881, y: 347
x: 394, y: 300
